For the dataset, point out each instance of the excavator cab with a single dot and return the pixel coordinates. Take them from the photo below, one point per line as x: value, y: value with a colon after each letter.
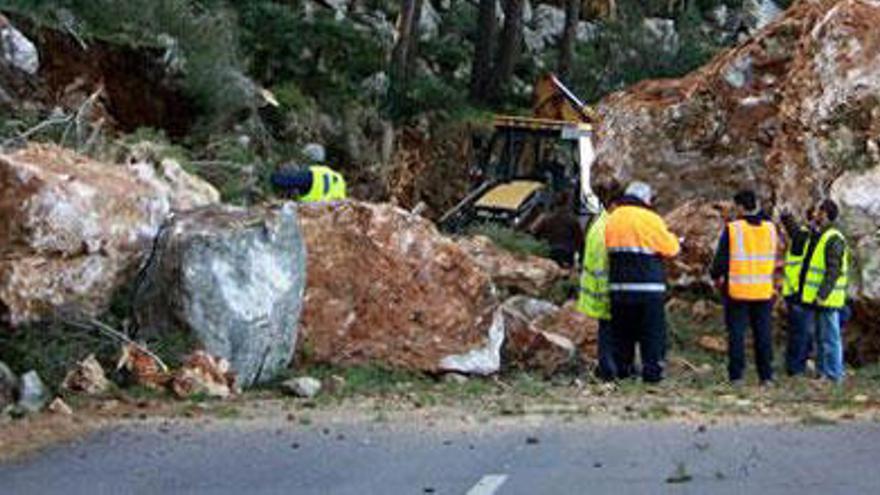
x: 529, y: 161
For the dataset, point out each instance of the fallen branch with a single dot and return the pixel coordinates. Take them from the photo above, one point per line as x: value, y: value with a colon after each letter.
x: 92, y: 323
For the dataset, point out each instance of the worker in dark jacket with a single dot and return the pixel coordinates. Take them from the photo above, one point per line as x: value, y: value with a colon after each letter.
x: 637, y: 240
x: 313, y: 184
x: 824, y: 281
x: 745, y: 260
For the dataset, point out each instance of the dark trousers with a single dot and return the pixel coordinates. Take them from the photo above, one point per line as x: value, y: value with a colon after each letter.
x: 643, y: 322
x: 607, y: 367
x: 739, y: 315
x: 799, y: 344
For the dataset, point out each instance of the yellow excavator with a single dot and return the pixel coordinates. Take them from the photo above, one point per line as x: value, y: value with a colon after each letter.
x: 529, y: 161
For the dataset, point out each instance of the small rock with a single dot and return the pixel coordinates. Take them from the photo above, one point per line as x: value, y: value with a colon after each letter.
x: 33, y: 392
x: 58, y: 406
x: 456, y: 378
x: 597, y: 465
x: 532, y: 441
x: 304, y: 386
x: 333, y: 384
x: 701, y: 429
x: 294, y: 445
x: 86, y: 377
x: 860, y: 398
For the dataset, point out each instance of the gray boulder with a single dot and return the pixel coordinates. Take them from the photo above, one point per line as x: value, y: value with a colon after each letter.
x: 16, y: 50
x: 232, y: 278
x: 304, y: 386
x: 33, y: 394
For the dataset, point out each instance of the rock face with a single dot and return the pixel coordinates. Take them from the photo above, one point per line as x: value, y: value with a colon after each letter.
x: 527, y: 274
x: 233, y: 279
x: 385, y: 286
x: 789, y: 112
x: 74, y: 230
x: 782, y: 112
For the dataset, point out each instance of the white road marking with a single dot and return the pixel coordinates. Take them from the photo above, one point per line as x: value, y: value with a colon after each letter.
x: 488, y: 485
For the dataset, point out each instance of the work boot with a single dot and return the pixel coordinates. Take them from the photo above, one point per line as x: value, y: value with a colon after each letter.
x: 769, y: 383
x: 738, y: 384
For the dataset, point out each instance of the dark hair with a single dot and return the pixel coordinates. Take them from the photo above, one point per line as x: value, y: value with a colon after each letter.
x: 608, y: 191
x: 830, y: 209
x: 747, y: 199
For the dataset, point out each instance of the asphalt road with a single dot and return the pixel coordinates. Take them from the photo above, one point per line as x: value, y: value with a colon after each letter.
x: 514, y: 458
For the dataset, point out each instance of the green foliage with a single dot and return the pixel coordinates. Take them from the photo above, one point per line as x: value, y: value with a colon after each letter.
x: 512, y: 240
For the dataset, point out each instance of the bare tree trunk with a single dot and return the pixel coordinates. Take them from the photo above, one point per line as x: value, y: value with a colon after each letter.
x: 484, y: 44
x: 403, y: 53
x: 569, y: 36
x: 509, y: 48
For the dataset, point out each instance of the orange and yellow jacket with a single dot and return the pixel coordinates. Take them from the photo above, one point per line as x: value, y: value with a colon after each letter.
x: 638, y: 239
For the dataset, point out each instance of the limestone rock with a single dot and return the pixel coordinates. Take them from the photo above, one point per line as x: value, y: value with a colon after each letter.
x: 699, y: 224
x: 58, y: 406
x: 233, y: 280
x: 713, y: 344
x: 528, y: 274
x: 204, y: 374
x: 16, y: 50
x: 305, y: 387
x: 543, y: 337
x: 32, y: 393
x: 142, y: 369
x: 385, y: 286
x: 186, y: 191
x: 74, y: 230
x: 86, y: 377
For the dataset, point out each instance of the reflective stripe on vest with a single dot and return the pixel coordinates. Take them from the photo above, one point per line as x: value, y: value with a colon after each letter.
x: 816, y: 275
x: 638, y: 287
x: 593, y: 298
x: 752, y: 260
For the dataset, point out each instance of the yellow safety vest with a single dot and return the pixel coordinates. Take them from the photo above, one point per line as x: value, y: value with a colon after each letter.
x: 752, y: 260
x: 816, y: 274
x: 794, y: 263
x: 327, y: 185
x: 594, y: 299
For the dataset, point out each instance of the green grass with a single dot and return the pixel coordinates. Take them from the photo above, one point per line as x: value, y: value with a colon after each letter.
x: 511, y: 240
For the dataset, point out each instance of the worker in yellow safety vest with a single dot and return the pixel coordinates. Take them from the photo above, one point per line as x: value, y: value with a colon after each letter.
x: 823, y: 284
x: 594, y: 300
x: 314, y: 184
x: 799, y: 344
x: 744, y: 264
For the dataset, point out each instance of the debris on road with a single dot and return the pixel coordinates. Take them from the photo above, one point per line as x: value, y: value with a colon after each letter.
x: 305, y: 387
x: 86, y: 377
x: 58, y: 406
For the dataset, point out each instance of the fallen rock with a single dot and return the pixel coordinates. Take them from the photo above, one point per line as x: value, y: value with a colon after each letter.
x: 185, y: 190
x: 58, y: 406
x: 713, y: 344
x: 305, y: 387
x: 8, y: 386
x: 204, y: 374
x: 86, y: 377
x: 531, y: 275
x: 699, y: 224
x: 233, y: 280
x: 74, y: 231
x: 858, y: 194
x: 543, y: 337
x: 142, y: 369
x: 16, y: 49
x: 384, y: 286
x: 32, y: 393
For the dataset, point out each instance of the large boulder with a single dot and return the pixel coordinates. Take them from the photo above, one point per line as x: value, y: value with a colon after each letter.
x: 233, y: 280
x: 698, y: 224
x: 74, y: 230
x: 858, y: 194
x: 527, y: 274
x: 385, y: 286
x: 783, y: 112
x: 16, y: 49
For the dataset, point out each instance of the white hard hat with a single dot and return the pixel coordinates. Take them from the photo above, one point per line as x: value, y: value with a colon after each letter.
x: 314, y: 152
x: 639, y: 190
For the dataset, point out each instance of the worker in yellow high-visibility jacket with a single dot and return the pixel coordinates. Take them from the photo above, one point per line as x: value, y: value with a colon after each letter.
x: 744, y: 264
x: 314, y: 184
x: 823, y: 285
x: 594, y: 298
